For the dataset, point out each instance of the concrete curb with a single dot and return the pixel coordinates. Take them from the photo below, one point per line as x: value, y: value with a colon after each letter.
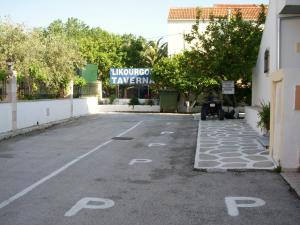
x: 292, y: 179
x: 196, y: 162
x: 26, y: 130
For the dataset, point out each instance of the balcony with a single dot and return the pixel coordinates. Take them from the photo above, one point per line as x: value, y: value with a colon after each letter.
x: 289, y: 7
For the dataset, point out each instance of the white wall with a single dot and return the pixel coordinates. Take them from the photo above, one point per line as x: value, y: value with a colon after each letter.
x: 176, y: 31
x: 261, y: 82
x: 290, y: 152
x: 282, y: 46
x: 252, y: 118
x: 85, y: 106
x: 5, y: 117
x: 29, y: 113
x: 290, y: 37
x: 125, y: 101
x: 127, y: 108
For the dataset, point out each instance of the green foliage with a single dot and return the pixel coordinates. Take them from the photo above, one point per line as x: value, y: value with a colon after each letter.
x: 155, y: 51
x: 229, y: 46
x: 134, y: 101
x: 108, y: 50
x: 48, y: 58
x: 264, y: 116
x: 43, y: 60
x: 133, y: 51
x: 79, y: 81
x: 183, y: 74
x: 278, y: 169
x: 150, y: 102
x: 3, y: 74
x: 243, y: 95
x: 112, y: 99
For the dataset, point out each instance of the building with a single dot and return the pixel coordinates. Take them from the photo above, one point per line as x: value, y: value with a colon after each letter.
x: 181, y: 20
x: 276, y: 79
x: 276, y: 76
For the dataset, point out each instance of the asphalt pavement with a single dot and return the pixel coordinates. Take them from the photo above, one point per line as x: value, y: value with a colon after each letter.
x: 131, y: 169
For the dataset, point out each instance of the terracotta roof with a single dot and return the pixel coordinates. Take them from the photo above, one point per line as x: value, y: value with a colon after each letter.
x: 249, y: 12
x: 235, y: 5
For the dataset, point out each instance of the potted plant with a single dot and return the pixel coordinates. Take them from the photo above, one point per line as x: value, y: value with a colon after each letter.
x: 264, y: 117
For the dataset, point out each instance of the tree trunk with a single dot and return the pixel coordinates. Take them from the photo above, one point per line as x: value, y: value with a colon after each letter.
x: 190, y: 105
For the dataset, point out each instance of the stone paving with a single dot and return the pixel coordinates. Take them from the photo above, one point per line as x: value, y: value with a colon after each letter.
x: 230, y: 144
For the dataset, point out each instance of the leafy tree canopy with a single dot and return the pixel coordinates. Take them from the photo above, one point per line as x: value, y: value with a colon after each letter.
x: 49, y: 57
x: 181, y: 73
x: 229, y: 46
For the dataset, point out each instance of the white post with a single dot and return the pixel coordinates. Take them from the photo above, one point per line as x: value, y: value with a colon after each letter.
x: 99, y: 84
x: 187, y: 106
x: 71, y: 88
x: 12, y: 95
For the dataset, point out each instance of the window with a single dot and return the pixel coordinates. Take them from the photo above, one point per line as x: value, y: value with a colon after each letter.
x: 267, y: 61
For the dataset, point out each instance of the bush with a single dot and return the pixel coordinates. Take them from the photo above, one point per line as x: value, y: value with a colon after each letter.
x: 3, y: 75
x: 264, y: 116
x: 79, y: 81
x: 134, y: 101
x: 149, y: 102
x: 112, y: 98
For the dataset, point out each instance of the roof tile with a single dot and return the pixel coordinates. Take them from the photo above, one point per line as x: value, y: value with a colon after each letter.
x: 249, y: 12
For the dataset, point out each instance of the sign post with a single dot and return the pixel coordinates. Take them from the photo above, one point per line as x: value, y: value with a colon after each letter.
x: 228, y: 87
x: 130, y: 76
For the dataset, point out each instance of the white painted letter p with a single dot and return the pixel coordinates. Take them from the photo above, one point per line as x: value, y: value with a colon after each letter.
x: 84, y: 204
x: 233, y: 205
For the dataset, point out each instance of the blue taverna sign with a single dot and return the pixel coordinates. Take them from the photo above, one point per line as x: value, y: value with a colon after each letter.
x: 131, y: 76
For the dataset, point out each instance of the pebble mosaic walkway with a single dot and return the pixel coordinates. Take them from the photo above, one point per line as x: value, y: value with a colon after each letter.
x: 230, y: 144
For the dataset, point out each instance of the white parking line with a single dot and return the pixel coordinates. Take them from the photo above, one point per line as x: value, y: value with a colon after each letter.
x: 56, y: 172
x: 156, y: 145
x: 130, y: 129
x: 167, y: 132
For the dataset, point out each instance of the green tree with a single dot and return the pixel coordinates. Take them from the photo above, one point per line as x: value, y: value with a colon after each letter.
x: 229, y: 46
x: 133, y: 51
x: 12, y: 38
x: 155, y: 51
x: 180, y: 73
x: 42, y: 60
x: 96, y: 45
x: 62, y: 57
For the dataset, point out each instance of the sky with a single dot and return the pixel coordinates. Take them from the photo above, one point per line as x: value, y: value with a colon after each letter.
x: 147, y: 18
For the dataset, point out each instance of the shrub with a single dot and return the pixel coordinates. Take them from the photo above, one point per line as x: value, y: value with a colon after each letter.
x: 79, y: 81
x: 264, y: 116
x: 134, y: 101
x: 150, y: 102
x: 112, y: 99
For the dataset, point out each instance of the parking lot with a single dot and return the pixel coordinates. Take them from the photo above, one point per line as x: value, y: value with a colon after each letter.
x: 131, y: 169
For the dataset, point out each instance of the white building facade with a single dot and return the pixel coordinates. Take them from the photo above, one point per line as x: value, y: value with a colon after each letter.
x: 181, y: 21
x: 276, y: 78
